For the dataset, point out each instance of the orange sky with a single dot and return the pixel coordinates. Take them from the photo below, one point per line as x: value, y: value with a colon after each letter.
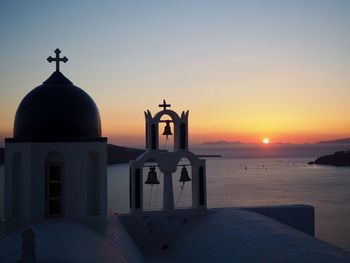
x: 244, y: 70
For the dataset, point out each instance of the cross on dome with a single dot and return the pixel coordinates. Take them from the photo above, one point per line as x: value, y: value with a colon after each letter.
x: 57, y: 59
x: 164, y: 105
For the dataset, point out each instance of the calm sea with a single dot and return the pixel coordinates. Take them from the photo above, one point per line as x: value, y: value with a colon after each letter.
x: 257, y: 176
x: 253, y: 176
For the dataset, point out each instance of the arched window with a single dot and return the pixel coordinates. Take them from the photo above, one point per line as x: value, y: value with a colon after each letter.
x: 17, y: 183
x: 54, y: 178
x: 93, y: 184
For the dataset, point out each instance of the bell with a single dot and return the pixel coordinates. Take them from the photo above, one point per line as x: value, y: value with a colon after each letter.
x: 152, y: 176
x: 167, y: 129
x: 184, y: 175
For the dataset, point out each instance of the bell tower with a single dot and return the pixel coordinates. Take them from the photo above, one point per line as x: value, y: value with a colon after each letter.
x: 167, y: 162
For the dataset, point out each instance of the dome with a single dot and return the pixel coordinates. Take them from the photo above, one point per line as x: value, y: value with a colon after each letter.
x: 57, y: 111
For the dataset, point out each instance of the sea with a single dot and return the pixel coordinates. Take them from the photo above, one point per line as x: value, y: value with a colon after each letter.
x: 255, y: 175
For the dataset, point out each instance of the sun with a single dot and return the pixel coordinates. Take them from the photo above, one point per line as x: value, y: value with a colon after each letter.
x: 266, y: 141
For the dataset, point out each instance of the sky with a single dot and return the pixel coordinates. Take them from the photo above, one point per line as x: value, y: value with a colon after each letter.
x: 245, y: 70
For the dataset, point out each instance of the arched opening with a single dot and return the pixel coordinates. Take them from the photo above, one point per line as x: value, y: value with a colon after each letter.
x: 93, y: 184
x: 54, y: 182
x: 17, y: 185
x: 201, y: 186
x: 154, y: 137
x: 182, y: 184
x: 146, y: 133
x: 138, y: 188
x: 153, y: 183
x: 166, y: 133
x: 183, y: 136
x: 130, y: 187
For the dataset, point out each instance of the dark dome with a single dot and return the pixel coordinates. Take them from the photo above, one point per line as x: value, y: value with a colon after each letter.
x: 57, y: 110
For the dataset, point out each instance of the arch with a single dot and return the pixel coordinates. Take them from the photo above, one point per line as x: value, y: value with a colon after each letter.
x: 17, y: 185
x: 93, y: 184
x: 175, y: 157
x: 192, y: 158
x: 54, y: 184
x: 172, y: 114
x: 54, y: 157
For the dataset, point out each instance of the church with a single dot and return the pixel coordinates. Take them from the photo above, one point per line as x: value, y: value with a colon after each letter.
x: 55, y: 195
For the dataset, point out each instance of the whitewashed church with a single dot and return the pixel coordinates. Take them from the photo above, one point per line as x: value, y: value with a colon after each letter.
x: 56, y: 154
x: 55, y: 195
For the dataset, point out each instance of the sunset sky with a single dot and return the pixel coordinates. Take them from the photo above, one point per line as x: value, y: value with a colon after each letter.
x: 246, y: 70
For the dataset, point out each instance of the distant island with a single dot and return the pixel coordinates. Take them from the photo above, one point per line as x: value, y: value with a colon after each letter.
x: 221, y: 142
x: 337, y: 141
x: 116, y: 154
x: 341, y: 158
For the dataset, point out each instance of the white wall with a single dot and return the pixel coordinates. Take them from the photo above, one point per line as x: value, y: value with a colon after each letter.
x: 75, y: 156
x: 2, y: 194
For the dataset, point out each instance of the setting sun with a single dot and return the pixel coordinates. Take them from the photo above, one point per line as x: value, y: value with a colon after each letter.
x: 266, y: 141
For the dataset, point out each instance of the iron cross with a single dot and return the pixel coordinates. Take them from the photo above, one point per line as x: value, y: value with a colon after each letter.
x: 57, y: 59
x: 164, y: 105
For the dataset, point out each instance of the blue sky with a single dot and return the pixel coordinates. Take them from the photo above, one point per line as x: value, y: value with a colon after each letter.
x: 247, y: 68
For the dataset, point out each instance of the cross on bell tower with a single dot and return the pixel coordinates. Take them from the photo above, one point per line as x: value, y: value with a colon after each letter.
x: 164, y: 105
x: 57, y: 59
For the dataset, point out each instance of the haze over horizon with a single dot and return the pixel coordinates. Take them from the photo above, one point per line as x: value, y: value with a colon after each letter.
x: 245, y: 70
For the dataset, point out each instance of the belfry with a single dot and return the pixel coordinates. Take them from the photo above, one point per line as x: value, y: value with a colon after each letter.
x: 55, y: 195
x: 167, y: 162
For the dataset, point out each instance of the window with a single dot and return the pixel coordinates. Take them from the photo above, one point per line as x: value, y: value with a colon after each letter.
x: 93, y: 185
x: 54, y: 178
x: 17, y: 181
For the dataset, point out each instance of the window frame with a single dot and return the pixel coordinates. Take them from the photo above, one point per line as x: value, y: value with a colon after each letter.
x: 49, y: 198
